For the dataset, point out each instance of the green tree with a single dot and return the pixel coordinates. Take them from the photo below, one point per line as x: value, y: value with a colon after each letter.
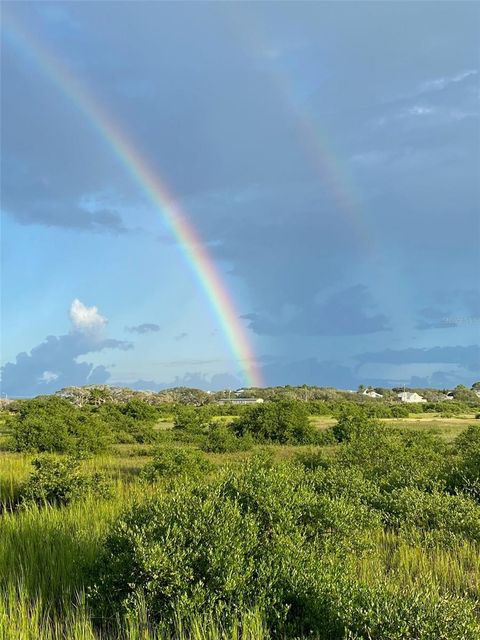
x: 286, y: 421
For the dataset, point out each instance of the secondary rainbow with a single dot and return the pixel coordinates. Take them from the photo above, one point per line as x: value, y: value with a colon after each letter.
x: 324, y: 158
x: 194, y: 250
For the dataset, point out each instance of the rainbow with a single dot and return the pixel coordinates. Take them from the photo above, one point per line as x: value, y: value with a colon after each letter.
x: 198, y: 258
x: 318, y: 147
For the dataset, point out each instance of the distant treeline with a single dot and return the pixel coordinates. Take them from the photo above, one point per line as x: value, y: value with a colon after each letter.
x: 51, y: 423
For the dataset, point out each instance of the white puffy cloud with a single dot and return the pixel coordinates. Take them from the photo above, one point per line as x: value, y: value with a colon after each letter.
x: 48, y: 377
x: 86, y: 319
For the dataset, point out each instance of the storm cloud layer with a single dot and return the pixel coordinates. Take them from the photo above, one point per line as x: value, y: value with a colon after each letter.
x: 326, y: 154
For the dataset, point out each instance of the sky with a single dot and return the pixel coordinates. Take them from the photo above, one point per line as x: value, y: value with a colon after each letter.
x: 324, y: 157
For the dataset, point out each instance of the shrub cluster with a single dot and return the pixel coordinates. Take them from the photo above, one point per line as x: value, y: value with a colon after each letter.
x: 58, y: 481
x: 52, y: 424
x: 168, y: 463
x: 221, y: 438
x: 279, y: 538
x: 283, y: 422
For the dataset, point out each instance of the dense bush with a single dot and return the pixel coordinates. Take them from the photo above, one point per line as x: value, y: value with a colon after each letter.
x: 129, y: 423
x: 168, y: 463
x: 222, y: 439
x: 465, y: 474
x: 193, y: 419
x: 58, y: 481
x: 434, y: 517
x: 53, y: 425
x: 250, y: 539
x: 356, y: 426
x: 276, y: 538
x: 391, y: 457
x: 284, y: 422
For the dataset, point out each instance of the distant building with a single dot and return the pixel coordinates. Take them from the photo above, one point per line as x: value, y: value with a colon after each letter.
x: 407, y: 396
x: 241, y: 401
x: 371, y: 393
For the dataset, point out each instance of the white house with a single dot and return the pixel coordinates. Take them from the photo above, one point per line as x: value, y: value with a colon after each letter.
x: 407, y: 396
x: 241, y: 401
x: 371, y: 393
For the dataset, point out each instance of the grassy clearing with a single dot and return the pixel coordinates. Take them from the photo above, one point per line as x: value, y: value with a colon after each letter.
x: 447, y: 428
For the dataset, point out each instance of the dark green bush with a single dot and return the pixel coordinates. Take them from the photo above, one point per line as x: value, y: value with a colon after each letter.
x: 168, y: 463
x: 394, y: 458
x: 388, y: 611
x: 434, y: 517
x: 274, y: 538
x: 222, y: 439
x: 129, y: 423
x: 284, y: 422
x: 465, y: 472
x: 193, y: 419
x: 355, y: 426
x: 251, y: 539
x: 58, y: 481
x: 53, y: 425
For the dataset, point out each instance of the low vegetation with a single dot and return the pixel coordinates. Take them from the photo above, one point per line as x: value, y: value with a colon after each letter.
x: 254, y: 525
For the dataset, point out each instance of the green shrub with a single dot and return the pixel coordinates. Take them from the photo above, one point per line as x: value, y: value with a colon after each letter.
x: 168, y: 463
x: 53, y: 425
x: 140, y: 410
x: 58, y: 481
x: 251, y: 539
x: 193, y: 419
x: 222, y: 439
x: 394, y: 458
x: 353, y: 426
x: 284, y: 422
x: 465, y: 473
x: 435, y: 517
x: 312, y: 459
x: 388, y: 611
x: 129, y: 423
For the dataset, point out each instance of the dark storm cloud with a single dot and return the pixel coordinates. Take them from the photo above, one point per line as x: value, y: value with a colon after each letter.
x: 466, y: 357
x: 146, y: 327
x: 53, y: 364
x: 453, y: 308
x: 345, y: 312
x: 310, y: 371
x: 289, y: 132
x: 194, y: 380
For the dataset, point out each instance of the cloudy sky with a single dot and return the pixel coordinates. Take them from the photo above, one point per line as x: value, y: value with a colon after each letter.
x: 327, y: 155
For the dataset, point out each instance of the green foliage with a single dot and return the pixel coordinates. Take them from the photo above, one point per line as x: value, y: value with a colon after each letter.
x: 168, y: 463
x: 129, y: 423
x: 193, y: 419
x: 355, y: 426
x: 284, y: 422
x: 465, y: 475
x: 222, y: 439
x: 140, y: 410
x: 377, y: 536
x: 249, y: 539
x: 436, y: 517
x: 58, y: 481
x: 394, y: 458
x: 386, y: 611
x: 53, y: 425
